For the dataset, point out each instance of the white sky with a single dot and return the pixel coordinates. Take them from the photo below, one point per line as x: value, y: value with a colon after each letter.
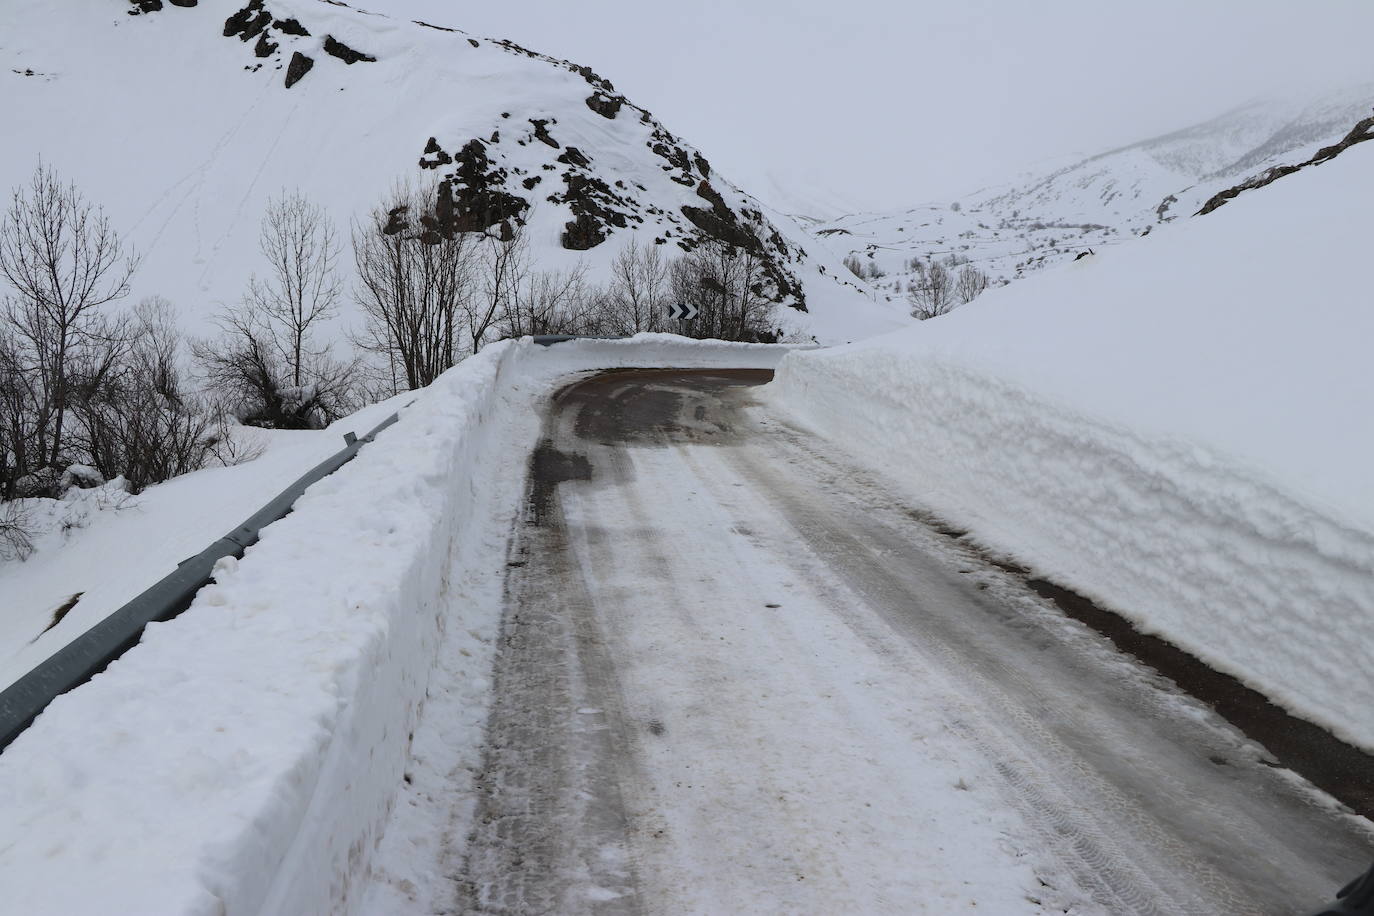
x: 879, y: 104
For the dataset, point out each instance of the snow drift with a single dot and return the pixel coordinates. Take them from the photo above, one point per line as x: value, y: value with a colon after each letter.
x: 1178, y: 429
x: 243, y: 758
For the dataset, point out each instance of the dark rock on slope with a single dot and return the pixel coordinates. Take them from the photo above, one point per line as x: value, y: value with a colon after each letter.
x: 336, y: 48
x: 300, y: 65
x: 474, y: 198
x: 1362, y: 131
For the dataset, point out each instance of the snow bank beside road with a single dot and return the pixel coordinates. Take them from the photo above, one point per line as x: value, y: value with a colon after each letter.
x: 1179, y: 429
x: 108, y: 546
x: 243, y: 758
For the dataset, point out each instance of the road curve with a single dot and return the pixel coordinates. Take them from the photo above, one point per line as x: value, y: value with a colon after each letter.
x: 737, y: 675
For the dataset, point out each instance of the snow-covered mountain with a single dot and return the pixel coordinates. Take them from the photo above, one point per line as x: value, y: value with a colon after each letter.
x: 1050, y: 216
x: 184, y: 118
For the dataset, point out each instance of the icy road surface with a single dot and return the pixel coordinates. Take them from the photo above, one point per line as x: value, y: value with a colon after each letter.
x: 737, y: 676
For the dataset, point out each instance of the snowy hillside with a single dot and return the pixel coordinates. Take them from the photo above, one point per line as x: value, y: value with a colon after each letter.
x: 1177, y: 428
x: 183, y: 119
x: 1050, y: 217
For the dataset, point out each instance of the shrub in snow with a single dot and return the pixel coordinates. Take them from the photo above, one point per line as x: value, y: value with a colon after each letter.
x: 268, y: 359
x: 16, y: 531
x: 42, y: 482
x: 80, y: 476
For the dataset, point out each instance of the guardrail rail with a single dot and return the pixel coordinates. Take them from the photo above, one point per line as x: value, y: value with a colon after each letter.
x: 91, y: 652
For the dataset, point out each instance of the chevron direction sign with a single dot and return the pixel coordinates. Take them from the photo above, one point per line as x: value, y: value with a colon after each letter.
x: 685, y: 311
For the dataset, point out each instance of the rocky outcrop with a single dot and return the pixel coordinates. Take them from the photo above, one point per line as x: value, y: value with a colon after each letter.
x: 596, y: 209
x: 1362, y: 131
x: 608, y: 106
x: 475, y: 199
x: 248, y: 22
x: 574, y: 157
x: 154, y: 6
x: 255, y: 21
x: 291, y: 27
x: 335, y: 48
x: 541, y: 132
x: 434, y: 155
x: 295, y: 71
x: 583, y: 233
x: 586, y: 73
x: 719, y: 221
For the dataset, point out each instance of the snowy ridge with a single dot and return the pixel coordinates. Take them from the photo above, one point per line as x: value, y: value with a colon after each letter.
x: 1155, y: 428
x: 1046, y: 218
x: 244, y: 758
x: 341, y: 103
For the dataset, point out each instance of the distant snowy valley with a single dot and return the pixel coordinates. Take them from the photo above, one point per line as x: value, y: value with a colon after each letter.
x: 1047, y: 218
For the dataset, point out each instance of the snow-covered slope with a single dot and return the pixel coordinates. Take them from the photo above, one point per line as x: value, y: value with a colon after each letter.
x: 184, y: 118
x: 1177, y: 427
x: 1051, y: 216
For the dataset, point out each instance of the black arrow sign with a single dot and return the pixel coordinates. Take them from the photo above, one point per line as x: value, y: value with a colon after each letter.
x: 685, y: 311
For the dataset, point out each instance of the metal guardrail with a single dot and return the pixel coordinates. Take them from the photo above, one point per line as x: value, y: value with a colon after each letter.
x: 89, y: 654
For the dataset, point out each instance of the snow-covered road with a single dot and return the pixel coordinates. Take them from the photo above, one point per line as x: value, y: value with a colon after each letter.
x: 736, y: 675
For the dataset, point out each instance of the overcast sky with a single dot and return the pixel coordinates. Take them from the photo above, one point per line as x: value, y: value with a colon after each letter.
x: 878, y: 104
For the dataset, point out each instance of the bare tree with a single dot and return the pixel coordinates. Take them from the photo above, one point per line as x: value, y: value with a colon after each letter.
x: 267, y: 361
x: 416, y: 286
x: 248, y: 374
x: 932, y: 294
x: 971, y: 284
x: 855, y: 265
x: 16, y: 531
x: 548, y: 302
x: 22, y: 401
x: 637, y: 298
x: 301, y: 287
x: 64, y: 261
x: 727, y: 285
x: 505, y: 271
x: 226, y: 446
x: 135, y: 418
